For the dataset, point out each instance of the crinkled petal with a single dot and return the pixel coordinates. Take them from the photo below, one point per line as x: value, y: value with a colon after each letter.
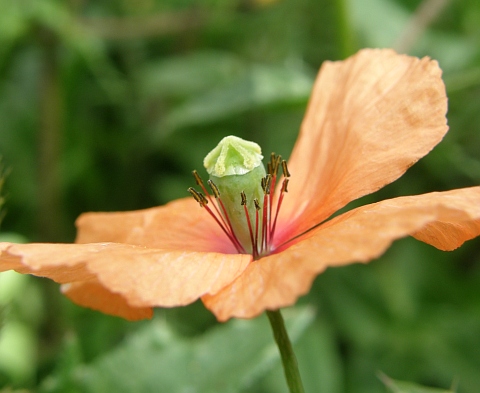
x: 144, y: 277
x: 178, y: 225
x: 60, y: 262
x: 94, y: 295
x: 369, y: 119
x: 445, y: 220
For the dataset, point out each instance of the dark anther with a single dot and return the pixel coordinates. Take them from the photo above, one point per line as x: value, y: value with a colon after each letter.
x: 273, y: 157
x: 204, y: 200
x: 214, y: 188
x: 199, y: 197
x: 284, y: 185
x: 197, y: 177
x: 266, y: 182
x: 244, y: 198
x: 286, y: 173
x: 278, y: 159
x: 272, y: 166
x: 257, y: 204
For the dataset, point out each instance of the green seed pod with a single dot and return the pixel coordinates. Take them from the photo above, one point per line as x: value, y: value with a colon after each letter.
x: 235, y: 166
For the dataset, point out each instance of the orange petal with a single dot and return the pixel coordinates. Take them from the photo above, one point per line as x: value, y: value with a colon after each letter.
x: 144, y: 277
x: 150, y: 277
x: 444, y: 220
x: 93, y: 295
x: 59, y: 262
x: 179, y: 225
x: 369, y: 119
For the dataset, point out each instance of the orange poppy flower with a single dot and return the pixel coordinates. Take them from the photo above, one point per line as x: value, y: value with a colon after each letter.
x: 369, y: 119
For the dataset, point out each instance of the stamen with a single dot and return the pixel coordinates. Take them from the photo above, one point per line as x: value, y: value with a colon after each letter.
x: 247, y: 215
x: 224, y: 217
x: 286, y: 173
x: 271, y: 164
x: 203, y: 201
x: 198, y: 179
x: 244, y: 198
x: 199, y: 197
x: 273, y: 180
x: 266, y: 182
x: 216, y: 193
x: 265, y: 223
x: 276, y: 165
x: 214, y: 188
x: 279, y: 204
x: 257, y: 208
x: 262, y: 230
x: 199, y: 182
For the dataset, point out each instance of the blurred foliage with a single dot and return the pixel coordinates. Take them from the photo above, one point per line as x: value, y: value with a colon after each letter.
x: 3, y: 176
x: 110, y: 105
x: 202, y: 364
x: 408, y: 387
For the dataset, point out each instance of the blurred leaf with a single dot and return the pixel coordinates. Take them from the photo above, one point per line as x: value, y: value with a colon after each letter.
x: 409, y: 314
x: 2, y: 182
x: 463, y: 79
x: 57, y: 17
x: 319, y: 361
x: 225, y: 359
x: 259, y: 87
x: 17, y: 350
x: 189, y: 74
x: 450, y: 49
x: 319, y: 357
x: 27, y: 17
x: 408, y: 387
x: 10, y: 390
x: 12, y: 284
x: 13, y: 26
x: 62, y: 379
x: 369, y: 18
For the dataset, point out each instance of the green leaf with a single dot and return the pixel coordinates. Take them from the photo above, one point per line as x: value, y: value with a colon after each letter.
x: 259, y: 87
x: 226, y: 359
x: 408, y: 387
x: 391, y: 19
x: 63, y: 377
x: 189, y: 74
x: 319, y: 361
x: 13, y: 26
x: 17, y: 350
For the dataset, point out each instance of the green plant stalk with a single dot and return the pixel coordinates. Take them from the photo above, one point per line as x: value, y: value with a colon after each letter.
x: 50, y: 210
x: 344, y: 31
x: 3, y: 175
x: 290, y: 365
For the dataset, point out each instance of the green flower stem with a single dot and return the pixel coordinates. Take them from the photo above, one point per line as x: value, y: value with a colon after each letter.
x: 344, y: 30
x: 290, y: 365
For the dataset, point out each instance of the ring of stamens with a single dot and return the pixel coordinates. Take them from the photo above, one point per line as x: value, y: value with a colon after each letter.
x: 262, y: 226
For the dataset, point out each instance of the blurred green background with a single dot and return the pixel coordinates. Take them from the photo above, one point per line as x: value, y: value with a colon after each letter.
x: 109, y: 105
